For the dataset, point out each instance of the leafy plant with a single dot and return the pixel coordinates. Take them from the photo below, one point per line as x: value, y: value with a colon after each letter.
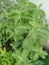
x: 23, y: 32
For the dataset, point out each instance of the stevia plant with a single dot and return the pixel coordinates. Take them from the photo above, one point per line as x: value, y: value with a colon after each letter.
x: 23, y: 32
